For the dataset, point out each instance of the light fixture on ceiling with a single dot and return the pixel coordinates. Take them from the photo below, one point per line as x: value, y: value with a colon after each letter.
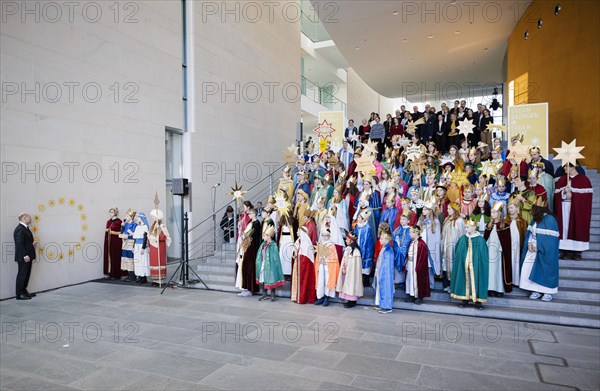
x: 430, y: 36
x: 485, y: 49
x: 557, y: 9
x: 457, y: 32
x: 540, y: 23
x: 413, y: 59
x: 357, y: 48
x: 395, y: 13
x: 495, y: 104
x: 526, y: 35
x: 405, y: 40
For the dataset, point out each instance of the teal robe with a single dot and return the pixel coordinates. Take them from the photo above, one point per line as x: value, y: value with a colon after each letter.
x: 480, y: 269
x: 272, y: 274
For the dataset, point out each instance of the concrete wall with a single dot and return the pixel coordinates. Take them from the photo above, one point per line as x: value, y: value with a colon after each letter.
x: 247, y: 87
x: 87, y: 132
x: 362, y: 99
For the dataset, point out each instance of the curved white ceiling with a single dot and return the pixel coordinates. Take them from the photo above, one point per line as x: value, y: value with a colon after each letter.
x: 421, y: 49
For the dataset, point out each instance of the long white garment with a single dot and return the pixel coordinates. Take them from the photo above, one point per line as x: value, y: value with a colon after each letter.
x: 481, y: 224
x: 286, y: 250
x: 323, y: 274
x: 141, y: 262
x: 515, y: 240
x: 568, y: 244
x: 411, y: 273
x: 238, y: 277
x: 496, y: 275
x: 528, y: 262
x: 342, y: 215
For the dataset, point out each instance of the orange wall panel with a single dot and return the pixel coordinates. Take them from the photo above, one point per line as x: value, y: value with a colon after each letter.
x: 562, y: 60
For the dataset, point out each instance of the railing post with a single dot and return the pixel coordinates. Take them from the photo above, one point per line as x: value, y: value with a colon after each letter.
x: 271, y: 183
x: 235, y: 221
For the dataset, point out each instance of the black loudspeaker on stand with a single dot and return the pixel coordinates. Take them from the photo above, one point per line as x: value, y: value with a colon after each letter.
x: 181, y: 188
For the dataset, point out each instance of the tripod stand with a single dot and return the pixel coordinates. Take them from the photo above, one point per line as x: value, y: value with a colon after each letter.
x: 184, y: 267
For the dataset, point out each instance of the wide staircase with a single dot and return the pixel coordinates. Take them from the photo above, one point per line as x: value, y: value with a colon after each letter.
x: 577, y: 302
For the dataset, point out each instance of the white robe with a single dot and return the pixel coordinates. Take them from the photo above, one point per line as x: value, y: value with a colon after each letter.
x: 528, y: 262
x: 141, y: 262
x: 496, y: 274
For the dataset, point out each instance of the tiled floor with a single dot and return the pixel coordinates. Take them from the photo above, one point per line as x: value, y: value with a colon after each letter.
x: 98, y: 336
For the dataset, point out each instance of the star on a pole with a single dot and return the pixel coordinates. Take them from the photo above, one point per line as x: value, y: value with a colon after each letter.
x: 466, y: 127
x: 370, y: 148
x: 569, y: 153
x: 353, y: 137
x: 519, y: 152
x: 412, y: 126
x: 502, y: 128
x: 237, y: 192
x: 324, y: 129
x: 490, y: 168
x: 290, y: 153
x: 364, y: 164
x: 413, y: 153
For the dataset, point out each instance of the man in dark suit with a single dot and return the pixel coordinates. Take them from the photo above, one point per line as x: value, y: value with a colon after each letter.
x: 24, y: 255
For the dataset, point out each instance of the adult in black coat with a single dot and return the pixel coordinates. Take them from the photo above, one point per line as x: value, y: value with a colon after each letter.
x: 441, y: 134
x: 24, y: 256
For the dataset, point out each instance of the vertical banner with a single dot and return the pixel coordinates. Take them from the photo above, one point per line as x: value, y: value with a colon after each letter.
x: 331, y: 127
x: 532, y: 121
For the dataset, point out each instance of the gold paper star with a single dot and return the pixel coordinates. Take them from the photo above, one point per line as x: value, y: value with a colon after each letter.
x: 41, y: 207
x: 51, y: 203
x: 519, y: 152
x: 61, y: 201
x: 290, y: 153
x: 466, y: 127
x: 237, y: 191
x: 364, y: 164
x: 569, y: 153
x: 502, y: 128
x: 412, y: 126
x: 283, y: 207
x: 490, y: 168
x: 370, y: 148
x: 413, y: 152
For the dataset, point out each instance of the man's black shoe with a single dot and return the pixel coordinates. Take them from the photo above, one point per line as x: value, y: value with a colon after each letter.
x: 23, y: 297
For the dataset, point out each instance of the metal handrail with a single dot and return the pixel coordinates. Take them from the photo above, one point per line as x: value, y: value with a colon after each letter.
x: 323, y: 97
x: 206, y: 241
x: 270, y: 176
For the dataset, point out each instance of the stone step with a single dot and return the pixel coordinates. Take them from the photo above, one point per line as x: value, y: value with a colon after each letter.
x: 219, y: 259
x: 544, y: 314
x: 583, y: 263
x: 209, y: 268
x: 579, y: 272
x: 590, y: 254
x: 577, y: 282
x: 221, y: 278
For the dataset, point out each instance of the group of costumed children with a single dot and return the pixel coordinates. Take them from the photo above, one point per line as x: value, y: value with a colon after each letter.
x: 481, y: 227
